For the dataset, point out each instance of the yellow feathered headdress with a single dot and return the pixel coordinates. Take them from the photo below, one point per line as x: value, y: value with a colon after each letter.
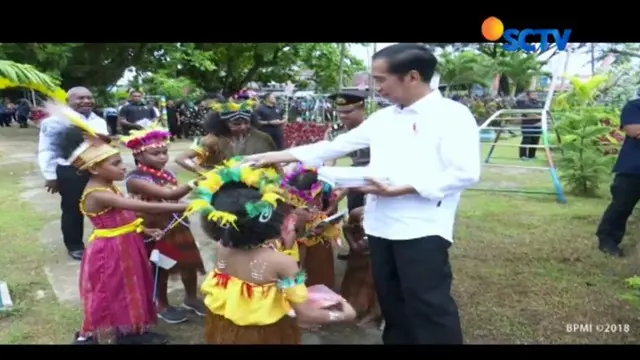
x: 232, y: 170
x: 231, y: 110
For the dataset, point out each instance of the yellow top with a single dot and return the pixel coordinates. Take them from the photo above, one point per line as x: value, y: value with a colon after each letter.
x: 86, y: 192
x: 248, y: 304
x: 294, y: 252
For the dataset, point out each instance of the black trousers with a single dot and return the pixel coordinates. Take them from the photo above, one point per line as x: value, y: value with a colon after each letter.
x: 184, y: 129
x: 112, y: 124
x: 625, y: 193
x: 22, y: 121
x: 355, y: 199
x: 174, y: 128
x: 276, y: 135
x: 413, y: 283
x: 530, y: 136
x: 5, y: 119
x: 71, y: 184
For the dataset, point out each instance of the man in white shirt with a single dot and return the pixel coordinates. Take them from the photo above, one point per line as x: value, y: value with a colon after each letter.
x: 60, y: 176
x: 429, y: 149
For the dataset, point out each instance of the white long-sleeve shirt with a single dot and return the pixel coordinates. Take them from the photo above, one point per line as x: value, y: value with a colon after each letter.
x: 49, y: 152
x: 432, y: 145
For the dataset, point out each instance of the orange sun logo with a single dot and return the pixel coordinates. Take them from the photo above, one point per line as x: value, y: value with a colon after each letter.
x: 492, y: 28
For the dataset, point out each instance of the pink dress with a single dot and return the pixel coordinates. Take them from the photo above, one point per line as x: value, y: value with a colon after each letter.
x: 116, y: 281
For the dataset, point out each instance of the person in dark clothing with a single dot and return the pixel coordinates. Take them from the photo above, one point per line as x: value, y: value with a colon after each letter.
x: 625, y: 189
x: 271, y: 119
x: 172, y: 120
x: 22, y: 113
x: 132, y: 114
x: 110, y: 115
x: 531, y: 126
x: 182, y: 114
x: 195, y: 119
x: 7, y: 111
x: 61, y: 177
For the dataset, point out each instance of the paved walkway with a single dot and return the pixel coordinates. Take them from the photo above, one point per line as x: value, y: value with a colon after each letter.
x: 63, y: 272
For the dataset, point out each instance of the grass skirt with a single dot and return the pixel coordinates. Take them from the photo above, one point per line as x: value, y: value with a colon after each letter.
x: 220, y: 330
x: 318, y: 263
x: 357, y: 286
x: 180, y: 245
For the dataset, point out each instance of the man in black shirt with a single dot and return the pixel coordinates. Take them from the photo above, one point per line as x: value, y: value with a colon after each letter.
x: 172, y: 120
x: 625, y: 189
x: 531, y: 126
x: 271, y: 119
x: 134, y: 112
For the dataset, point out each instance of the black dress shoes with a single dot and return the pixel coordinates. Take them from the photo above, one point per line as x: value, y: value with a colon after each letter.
x: 76, y: 254
x: 611, y: 249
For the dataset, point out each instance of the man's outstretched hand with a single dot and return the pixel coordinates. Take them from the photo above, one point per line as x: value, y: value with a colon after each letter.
x: 269, y: 158
x: 380, y: 188
x: 51, y: 186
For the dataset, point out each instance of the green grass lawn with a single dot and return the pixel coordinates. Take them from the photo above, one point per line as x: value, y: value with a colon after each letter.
x: 524, y: 266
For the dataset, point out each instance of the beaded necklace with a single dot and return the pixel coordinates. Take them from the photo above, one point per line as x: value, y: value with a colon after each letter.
x: 160, y: 174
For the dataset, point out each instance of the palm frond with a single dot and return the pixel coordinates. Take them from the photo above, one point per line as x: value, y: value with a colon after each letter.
x: 13, y: 74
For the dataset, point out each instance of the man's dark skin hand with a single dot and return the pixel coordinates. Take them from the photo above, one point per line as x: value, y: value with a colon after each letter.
x: 381, y: 189
x: 51, y: 186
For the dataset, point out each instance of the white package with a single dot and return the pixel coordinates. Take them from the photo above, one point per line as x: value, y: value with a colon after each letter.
x: 346, y: 177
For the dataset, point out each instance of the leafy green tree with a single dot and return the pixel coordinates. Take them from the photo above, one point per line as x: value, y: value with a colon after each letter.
x: 172, y: 88
x: 465, y: 68
x: 95, y: 65
x: 229, y: 67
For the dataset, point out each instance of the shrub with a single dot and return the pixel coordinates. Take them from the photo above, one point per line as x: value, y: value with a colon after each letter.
x: 585, y: 164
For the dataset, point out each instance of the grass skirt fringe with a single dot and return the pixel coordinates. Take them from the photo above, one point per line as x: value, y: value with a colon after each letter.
x: 357, y: 286
x: 220, y: 330
x: 318, y: 263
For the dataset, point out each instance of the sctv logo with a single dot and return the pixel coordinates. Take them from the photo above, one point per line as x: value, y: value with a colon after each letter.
x: 493, y: 29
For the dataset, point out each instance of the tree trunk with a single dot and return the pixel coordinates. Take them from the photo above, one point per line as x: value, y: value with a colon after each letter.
x: 503, y: 85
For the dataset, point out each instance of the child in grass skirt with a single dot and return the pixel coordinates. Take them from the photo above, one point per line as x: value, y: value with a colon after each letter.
x: 357, y: 285
x: 150, y: 181
x: 305, y: 191
x: 255, y: 290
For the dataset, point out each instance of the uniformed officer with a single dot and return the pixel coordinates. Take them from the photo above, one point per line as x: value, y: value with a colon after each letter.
x: 351, y: 109
x: 350, y: 106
